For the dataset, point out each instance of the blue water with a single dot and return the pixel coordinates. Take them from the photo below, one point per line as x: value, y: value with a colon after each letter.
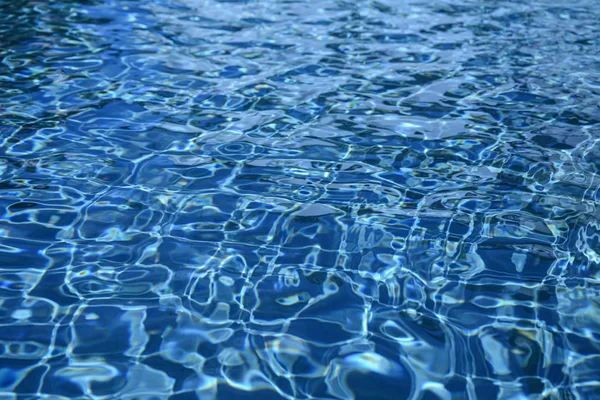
x: 205, y: 199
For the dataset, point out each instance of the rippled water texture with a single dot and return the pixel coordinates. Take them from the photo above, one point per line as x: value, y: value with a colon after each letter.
x: 300, y: 200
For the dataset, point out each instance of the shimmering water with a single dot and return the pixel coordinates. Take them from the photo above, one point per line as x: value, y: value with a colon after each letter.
x: 299, y: 200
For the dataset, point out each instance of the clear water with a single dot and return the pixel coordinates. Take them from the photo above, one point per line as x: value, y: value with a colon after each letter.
x: 299, y: 200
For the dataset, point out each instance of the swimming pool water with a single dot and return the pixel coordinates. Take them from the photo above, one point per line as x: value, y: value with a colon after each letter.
x: 205, y: 199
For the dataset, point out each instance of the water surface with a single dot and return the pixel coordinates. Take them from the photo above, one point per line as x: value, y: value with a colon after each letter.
x: 299, y: 200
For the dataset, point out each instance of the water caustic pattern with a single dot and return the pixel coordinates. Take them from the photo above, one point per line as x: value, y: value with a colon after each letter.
x: 300, y: 200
